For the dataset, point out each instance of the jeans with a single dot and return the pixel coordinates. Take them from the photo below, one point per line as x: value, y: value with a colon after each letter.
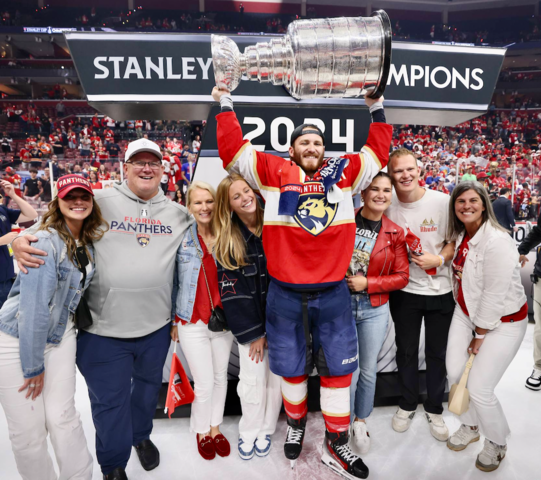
x: 5, y: 288
x: 371, y: 323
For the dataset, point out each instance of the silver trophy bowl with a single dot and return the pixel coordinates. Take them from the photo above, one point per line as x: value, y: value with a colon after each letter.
x: 328, y: 57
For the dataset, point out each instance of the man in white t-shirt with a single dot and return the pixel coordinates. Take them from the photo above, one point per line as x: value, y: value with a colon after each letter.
x: 427, y: 297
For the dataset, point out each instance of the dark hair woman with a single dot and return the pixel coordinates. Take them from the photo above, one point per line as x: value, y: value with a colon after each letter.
x: 489, y: 320
x: 37, y: 338
x: 379, y: 265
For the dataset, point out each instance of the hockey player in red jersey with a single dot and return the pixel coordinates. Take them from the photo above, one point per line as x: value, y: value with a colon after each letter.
x: 308, y: 236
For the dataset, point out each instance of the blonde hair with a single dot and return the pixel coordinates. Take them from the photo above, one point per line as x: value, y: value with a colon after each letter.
x: 230, y: 247
x: 198, y: 185
x: 201, y: 186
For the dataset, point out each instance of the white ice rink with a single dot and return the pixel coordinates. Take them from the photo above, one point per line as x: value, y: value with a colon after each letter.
x: 413, y: 455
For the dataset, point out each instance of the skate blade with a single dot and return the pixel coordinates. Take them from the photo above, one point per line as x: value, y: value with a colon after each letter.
x: 292, y: 463
x: 331, y: 463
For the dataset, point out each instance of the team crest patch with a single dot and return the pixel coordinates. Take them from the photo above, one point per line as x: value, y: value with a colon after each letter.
x: 143, y: 239
x: 314, y: 212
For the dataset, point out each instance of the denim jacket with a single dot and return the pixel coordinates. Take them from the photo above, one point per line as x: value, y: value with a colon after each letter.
x: 39, y: 305
x: 187, y: 269
x: 244, y: 291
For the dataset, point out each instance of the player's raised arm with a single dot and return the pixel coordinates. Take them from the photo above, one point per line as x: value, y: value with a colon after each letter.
x: 375, y: 153
x: 238, y: 155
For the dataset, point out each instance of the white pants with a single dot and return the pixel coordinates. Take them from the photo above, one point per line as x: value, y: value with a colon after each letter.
x: 260, y: 397
x: 537, y: 328
x: 496, y: 353
x: 53, y: 412
x: 207, y: 354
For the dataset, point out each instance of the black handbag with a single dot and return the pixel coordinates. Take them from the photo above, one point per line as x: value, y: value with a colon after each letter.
x: 83, y: 317
x: 217, y: 321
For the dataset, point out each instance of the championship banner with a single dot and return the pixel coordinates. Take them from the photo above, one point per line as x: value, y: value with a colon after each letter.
x: 170, y: 76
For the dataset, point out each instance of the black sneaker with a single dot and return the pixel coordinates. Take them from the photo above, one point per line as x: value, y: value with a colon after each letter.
x: 294, y: 439
x: 533, y: 382
x: 337, y: 455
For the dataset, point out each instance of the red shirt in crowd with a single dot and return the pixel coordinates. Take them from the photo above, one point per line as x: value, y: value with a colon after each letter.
x: 16, y: 181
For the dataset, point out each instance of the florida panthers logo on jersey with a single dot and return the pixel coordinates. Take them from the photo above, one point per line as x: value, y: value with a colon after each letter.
x: 143, y: 239
x: 314, y: 212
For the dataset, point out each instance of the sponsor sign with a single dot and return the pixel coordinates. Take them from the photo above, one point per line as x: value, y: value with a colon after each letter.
x: 428, y: 84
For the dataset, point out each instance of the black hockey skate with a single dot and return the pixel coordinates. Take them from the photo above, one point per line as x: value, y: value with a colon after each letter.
x: 338, y: 456
x: 294, y: 439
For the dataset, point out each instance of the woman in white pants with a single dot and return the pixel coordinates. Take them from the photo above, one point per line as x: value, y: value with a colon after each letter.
x: 243, y: 279
x: 37, y: 339
x: 490, y: 318
x: 207, y: 352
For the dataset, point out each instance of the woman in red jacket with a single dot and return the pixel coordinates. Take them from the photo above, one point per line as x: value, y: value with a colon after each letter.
x: 379, y: 265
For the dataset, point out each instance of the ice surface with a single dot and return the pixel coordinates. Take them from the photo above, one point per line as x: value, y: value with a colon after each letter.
x: 413, y: 455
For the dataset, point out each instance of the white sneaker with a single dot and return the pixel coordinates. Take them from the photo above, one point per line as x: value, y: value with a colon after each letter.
x: 438, y: 429
x: 462, y: 438
x: 533, y: 382
x: 491, y: 456
x: 402, y: 420
x: 360, y: 437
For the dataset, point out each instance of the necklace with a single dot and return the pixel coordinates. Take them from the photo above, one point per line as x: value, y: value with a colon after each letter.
x: 208, y: 243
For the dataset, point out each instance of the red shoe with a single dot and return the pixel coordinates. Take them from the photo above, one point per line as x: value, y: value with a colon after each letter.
x: 206, y: 447
x: 222, y: 445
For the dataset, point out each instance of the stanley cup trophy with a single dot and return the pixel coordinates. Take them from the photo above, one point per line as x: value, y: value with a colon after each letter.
x: 331, y: 57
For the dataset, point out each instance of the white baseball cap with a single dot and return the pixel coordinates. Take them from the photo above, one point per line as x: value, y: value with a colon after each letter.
x: 142, y: 145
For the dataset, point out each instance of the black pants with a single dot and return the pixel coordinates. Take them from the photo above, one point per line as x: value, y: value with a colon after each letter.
x: 408, y: 311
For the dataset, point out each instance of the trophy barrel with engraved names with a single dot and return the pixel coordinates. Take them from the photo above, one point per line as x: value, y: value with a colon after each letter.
x: 317, y: 58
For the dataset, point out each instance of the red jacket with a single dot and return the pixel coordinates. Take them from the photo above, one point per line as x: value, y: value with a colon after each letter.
x: 388, y: 269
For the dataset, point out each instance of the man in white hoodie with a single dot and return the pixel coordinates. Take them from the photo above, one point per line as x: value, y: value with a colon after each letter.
x: 121, y: 355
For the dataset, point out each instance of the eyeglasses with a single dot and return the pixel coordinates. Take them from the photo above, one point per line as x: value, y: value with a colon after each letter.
x: 139, y: 164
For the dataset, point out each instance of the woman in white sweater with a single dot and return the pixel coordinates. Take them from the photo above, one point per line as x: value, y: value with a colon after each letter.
x: 490, y: 318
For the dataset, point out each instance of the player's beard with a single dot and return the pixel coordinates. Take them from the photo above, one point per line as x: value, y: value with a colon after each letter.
x: 309, y: 167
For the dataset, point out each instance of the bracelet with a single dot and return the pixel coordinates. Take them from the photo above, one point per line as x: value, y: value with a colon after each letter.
x: 442, y: 258
x: 478, y: 336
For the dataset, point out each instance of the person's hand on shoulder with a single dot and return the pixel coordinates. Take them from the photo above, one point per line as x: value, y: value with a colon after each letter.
x: 24, y: 253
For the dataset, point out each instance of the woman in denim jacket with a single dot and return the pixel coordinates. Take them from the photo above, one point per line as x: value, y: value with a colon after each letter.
x: 37, y: 339
x: 243, y: 279
x: 207, y: 352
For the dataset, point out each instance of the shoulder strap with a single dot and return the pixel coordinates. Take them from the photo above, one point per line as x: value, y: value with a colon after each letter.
x: 204, y: 271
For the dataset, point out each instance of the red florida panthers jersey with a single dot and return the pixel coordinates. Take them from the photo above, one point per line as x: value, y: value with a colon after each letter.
x: 313, y: 248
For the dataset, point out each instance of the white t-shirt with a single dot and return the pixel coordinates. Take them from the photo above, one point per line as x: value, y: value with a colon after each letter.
x: 427, y: 219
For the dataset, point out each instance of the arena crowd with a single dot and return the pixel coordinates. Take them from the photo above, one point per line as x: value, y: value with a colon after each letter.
x: 428, y: 243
